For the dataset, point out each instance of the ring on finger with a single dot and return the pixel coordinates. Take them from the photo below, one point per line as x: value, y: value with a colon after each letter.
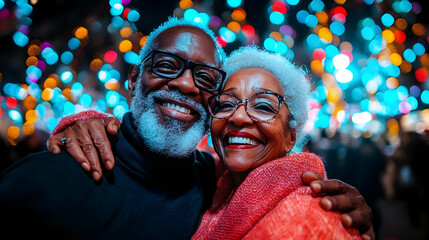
x: 65, y: 140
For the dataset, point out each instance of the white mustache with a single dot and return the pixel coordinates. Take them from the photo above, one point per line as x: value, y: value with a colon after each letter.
x: 178, y: 96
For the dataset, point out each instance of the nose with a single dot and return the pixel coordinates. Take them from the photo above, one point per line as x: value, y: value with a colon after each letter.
x: 240, y: 117
x: 185, y: 83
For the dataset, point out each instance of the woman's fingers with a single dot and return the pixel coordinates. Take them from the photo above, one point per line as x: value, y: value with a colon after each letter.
x: 54, y: 143
x: 97, y: 130
x: 112, y: 125
x: 85, y: 129
x: 72, y: 146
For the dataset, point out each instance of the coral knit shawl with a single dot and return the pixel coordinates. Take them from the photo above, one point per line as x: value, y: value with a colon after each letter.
x: 272, y: 203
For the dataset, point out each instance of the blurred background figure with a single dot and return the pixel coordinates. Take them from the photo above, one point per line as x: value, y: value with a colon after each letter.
x: 406, y: 184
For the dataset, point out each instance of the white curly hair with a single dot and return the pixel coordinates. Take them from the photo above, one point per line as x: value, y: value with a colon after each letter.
x: 294, y: 80
x: 173, y: 22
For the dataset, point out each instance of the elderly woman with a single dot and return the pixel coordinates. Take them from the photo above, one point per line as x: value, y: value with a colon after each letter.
x: 257, y: 119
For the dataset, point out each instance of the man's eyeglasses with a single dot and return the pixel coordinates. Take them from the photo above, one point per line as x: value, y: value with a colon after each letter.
x: 172, y: 66
x: 262, y: 106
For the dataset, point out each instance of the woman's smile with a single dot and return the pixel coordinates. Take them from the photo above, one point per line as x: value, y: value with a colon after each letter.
x: 240, y: 140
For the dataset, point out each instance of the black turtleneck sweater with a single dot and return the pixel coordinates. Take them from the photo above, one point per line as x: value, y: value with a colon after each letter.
x: 145, y: 196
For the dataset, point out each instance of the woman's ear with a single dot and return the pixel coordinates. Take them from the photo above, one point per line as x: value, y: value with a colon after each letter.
x: 292, y: 137
x: 133, y: 75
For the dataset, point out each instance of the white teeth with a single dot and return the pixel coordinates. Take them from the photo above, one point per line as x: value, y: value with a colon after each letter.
x: 241, y: 140
x: 176, y: 107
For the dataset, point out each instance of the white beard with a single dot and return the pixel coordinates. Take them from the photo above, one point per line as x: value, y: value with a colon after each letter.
x: 170, y: 140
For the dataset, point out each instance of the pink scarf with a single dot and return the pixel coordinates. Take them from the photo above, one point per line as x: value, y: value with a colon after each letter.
x: 272, y: 203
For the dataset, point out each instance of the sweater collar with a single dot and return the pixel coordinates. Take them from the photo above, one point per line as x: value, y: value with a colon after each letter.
x: 135, y: 155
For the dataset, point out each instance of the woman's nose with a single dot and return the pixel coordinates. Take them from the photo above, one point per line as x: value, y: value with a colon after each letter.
x: 240, y: 116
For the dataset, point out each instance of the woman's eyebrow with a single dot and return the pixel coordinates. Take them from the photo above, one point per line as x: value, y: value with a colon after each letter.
x: 263, y: 89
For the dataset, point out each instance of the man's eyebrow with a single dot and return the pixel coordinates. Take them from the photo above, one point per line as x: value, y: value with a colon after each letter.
x: 210, y: 65
x: 199, y: 62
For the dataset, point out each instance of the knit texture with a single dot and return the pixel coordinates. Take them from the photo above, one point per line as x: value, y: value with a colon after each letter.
x: 272, y: 203
x: 68, y: 121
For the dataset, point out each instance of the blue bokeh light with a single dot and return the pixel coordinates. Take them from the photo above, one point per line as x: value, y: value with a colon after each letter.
x: 133, y: 16
x: 69, y: 108
x: 77, y: 89
x: 227, y: 34
x: 132, y: 57
x: 50, y: 55
x: 112, y: 98
x: 233, y: 3
x: 419, y: 49
x: 301, y: 16
x: 387, y: 20
x: 66, y: 57
x: 337, y: 28
x: 413, y: 102
x: 15, y: 116
x: 116, y: 9
x: 292, y: 2
x: 51, y: 123
x: 311, y: 21
x: 118, y: 22
x: 270, y: 44
x: 277, y: 18
x: 376, y: 45
x: 74, y: 43
x: 313, y: 41
x: 20, y: 39
x: 367, y: 33
x: 316, y: 5
x: 425, y: 96
x: 66, y: 77
x: 409, y: 55
x: 331, y: 51
x: 85, y: 100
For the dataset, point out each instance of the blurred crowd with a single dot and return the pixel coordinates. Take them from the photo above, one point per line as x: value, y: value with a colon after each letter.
x: 391, y: 178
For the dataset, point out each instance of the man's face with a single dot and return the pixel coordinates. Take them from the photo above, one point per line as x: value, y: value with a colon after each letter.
x: 173, y: 111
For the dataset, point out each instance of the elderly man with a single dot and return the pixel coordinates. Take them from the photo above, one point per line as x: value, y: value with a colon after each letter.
x: 161, y: 185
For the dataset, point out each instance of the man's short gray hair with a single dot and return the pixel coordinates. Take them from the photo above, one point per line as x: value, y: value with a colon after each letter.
x: 173, y: 22
x: 294, y: 80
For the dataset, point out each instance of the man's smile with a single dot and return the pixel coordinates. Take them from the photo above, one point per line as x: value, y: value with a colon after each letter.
x: 177, y: 109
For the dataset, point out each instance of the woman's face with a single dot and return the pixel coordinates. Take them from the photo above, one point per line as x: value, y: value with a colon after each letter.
x: 243, y: 143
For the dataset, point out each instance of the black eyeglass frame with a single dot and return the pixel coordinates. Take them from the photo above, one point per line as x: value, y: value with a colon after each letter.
x: 245, y: 101
x: 188, y: 64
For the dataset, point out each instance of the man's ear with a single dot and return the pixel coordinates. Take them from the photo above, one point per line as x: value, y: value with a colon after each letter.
x: 133, y: 76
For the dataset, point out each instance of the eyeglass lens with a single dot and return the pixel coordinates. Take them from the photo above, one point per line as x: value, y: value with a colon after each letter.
x: 260, y: 107
x: 170, y: 66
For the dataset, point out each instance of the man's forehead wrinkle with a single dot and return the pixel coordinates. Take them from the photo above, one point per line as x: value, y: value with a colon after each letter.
x: 185, y: 41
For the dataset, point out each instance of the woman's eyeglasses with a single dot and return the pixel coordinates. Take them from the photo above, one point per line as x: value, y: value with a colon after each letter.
x: 262, y: 106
